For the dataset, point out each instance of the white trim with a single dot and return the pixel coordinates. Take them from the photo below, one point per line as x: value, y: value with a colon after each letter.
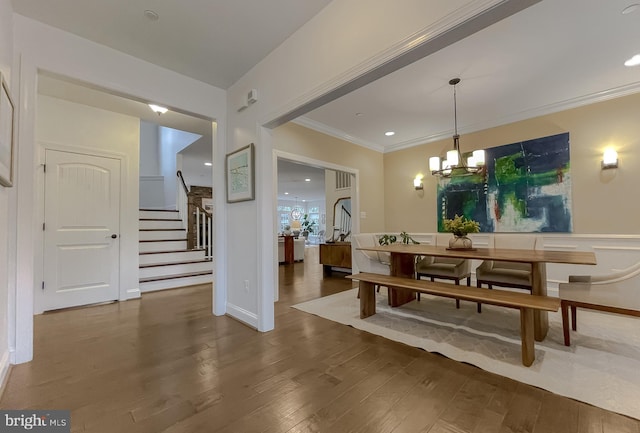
x: 21, y: 332
x: 313, y: 162
x: 267, y: 275
x: 133, y: 293
x: 334, y: 132
x: 219, y: 286
x: 245, y: 316
x: 5, y: 369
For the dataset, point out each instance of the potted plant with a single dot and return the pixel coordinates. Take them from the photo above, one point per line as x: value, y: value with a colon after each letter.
x: 460, y: 226
x: 307, y: 225
x: 391, y: 239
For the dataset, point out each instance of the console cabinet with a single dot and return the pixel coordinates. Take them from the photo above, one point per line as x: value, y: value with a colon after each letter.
x: 337, y: 254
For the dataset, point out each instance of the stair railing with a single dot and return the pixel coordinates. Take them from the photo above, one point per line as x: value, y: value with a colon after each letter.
x: 202, y: 227
x: 182, y: 200
x: 204, y: 231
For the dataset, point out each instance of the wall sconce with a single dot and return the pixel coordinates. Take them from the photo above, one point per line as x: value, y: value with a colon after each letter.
x: 417, y: 183
x: 609, y: 159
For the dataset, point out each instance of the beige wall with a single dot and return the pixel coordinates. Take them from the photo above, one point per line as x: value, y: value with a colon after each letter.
x: 302, y: 141
x: 604, y: 202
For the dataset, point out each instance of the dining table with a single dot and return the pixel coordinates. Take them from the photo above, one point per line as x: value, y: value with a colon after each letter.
x: 403, y: 259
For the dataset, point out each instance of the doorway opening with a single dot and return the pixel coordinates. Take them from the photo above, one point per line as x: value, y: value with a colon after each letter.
x: 335, y: 190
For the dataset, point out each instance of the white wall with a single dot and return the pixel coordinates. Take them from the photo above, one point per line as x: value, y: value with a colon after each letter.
x: 7, y: 202
x: 102, y: 131
x: 151, y: 182
x: 41, y: 47
x: 193, y: 168
x: 171, y: 141
x: 149, y: 139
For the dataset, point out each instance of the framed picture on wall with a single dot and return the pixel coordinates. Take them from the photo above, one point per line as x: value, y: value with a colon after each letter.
x: 6, y: 134
x: 240, y: 175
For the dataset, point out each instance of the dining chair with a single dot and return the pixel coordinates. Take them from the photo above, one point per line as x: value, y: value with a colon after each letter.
x: 508, y: 274
x: 443, y: 268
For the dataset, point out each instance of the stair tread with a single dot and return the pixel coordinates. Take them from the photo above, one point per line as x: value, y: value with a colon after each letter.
x: 157, y: 210
x: 186, y: 262
x: 175, y: 276
x: 163, y: 240
x: 161, y: 230
x: 159, y: 219
x: 172, y: 251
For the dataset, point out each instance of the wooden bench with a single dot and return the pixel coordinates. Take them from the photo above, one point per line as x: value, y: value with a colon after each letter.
x: 614, y: 297
x: 524, y: 302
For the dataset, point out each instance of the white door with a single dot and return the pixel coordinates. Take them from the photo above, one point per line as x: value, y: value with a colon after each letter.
x: 81, y: 232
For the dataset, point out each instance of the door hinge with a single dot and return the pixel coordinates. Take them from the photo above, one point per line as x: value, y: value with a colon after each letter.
x: 43, y: 226
x: 43, y: 285
x: 44, y: 166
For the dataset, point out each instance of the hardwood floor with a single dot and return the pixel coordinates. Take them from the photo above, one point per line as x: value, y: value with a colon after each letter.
x: 165, y: 364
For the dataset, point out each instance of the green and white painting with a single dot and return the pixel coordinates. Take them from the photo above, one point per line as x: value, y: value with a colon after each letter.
x: 525, y: 187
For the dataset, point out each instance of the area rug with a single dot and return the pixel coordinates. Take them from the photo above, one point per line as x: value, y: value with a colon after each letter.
x: 601, y: 367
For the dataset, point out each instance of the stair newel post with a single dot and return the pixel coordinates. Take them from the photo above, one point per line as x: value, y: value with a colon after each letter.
x: 198, y: 225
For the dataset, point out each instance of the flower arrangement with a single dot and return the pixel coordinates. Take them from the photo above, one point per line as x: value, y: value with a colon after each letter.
x: 461, y: 226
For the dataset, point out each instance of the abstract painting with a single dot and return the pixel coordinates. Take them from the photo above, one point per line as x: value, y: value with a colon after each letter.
x: 524, y: 187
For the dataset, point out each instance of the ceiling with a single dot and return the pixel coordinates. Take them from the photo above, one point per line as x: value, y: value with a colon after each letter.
x: 554, y: 55
x: 291, y: 180
x: 214, y: 41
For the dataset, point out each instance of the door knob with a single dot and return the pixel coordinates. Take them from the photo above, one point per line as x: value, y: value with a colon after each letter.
x: 114, y: 236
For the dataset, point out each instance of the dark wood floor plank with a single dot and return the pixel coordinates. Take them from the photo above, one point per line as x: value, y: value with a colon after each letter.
x: 164, y: 364
x: 557, y: 415
x: 523, y: 411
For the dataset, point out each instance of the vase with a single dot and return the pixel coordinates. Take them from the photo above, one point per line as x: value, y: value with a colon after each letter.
x: 460, y: 243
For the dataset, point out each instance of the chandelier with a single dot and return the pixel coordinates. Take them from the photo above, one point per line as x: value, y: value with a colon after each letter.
x: 296, y: 212
x: 455, y: 165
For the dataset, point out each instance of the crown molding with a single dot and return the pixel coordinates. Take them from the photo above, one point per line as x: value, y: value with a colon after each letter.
x: 333, y: 132
x: 531, y: 113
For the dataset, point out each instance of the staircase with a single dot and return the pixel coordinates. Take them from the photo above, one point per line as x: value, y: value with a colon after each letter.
x: 165, y: 261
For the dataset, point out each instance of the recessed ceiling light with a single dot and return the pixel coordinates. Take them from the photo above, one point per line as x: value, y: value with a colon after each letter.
x: 389, y: 133
x: 151, y: 15
x: 303, y: 200
x: 307, y: 180
x: 208, y: 164
x: 633, y: 61
x: 630, y: 8
x: 359, y: 114
x: 286, y: 193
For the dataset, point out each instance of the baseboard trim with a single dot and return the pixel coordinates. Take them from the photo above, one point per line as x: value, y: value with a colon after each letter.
x: 5, y: 371
x: 244, y: 316
x: 133, y: 294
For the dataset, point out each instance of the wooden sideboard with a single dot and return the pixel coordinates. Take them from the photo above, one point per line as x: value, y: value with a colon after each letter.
x: 336, y: 254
